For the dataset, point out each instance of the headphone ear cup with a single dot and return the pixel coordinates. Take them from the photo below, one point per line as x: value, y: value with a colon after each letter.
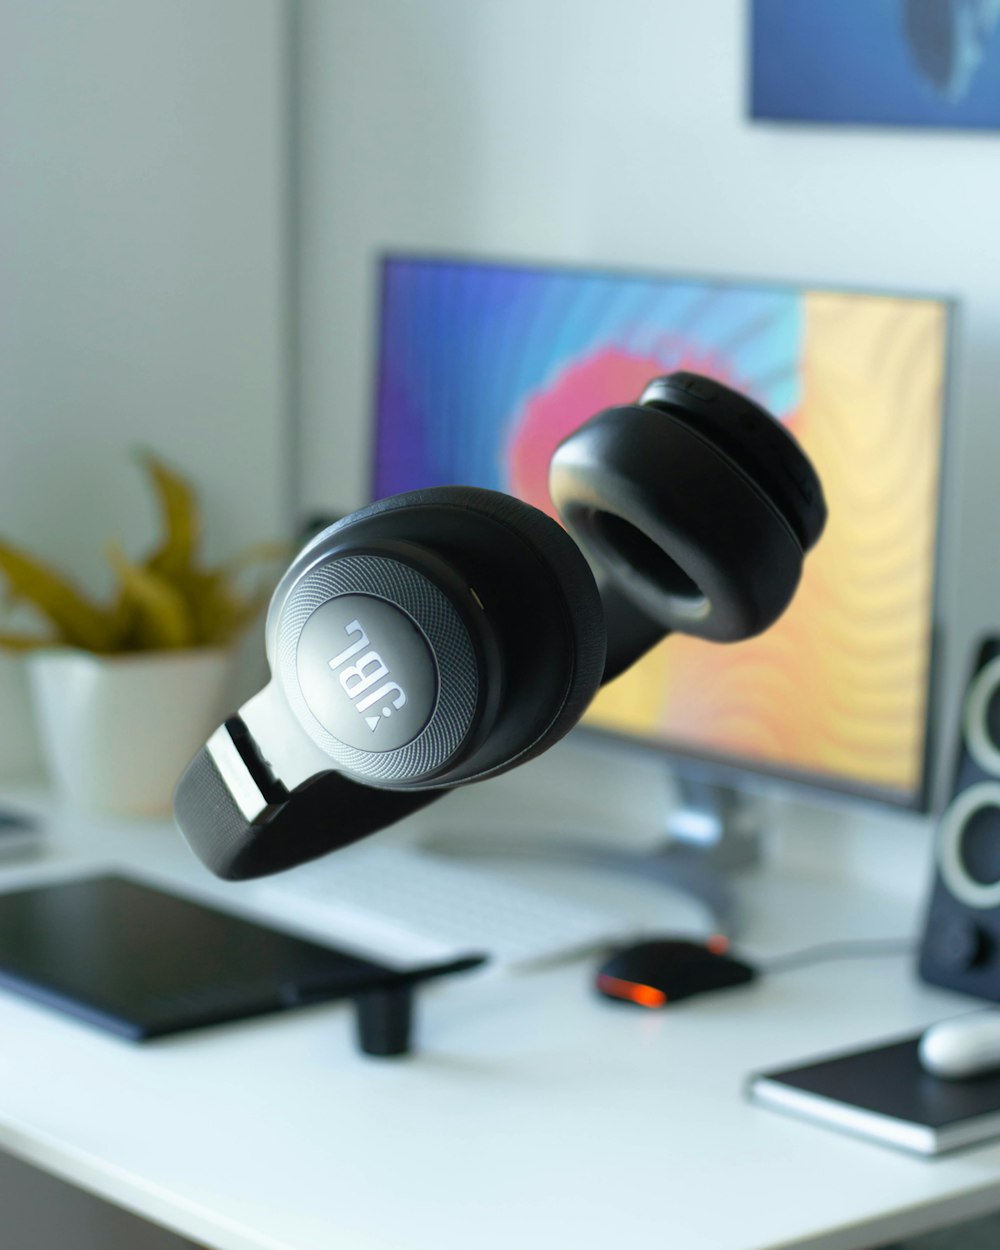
x: 681, y: 522
x: 543, y: 604
x: 759, y: 444
x: 528, y: 590
x: 572, y: 590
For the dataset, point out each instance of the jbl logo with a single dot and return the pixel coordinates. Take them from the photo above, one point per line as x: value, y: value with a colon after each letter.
x: 358, y: 678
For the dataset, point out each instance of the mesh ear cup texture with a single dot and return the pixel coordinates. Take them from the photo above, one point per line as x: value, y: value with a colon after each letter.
x: 539, y: 591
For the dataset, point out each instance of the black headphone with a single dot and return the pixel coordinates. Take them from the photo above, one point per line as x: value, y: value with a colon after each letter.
x: 446, y: 635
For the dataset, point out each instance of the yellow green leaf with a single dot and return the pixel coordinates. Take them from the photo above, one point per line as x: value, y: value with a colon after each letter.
x: 257, y: 554
x: 77, y: 620
x: 23, y: 642
x: 179, y: 518
x: 218, y: 610
x: 233, y: 613
x: 156, y: 613
x: 164, y: 601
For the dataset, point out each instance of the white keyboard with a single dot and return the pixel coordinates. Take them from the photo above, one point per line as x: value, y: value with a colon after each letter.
x: 411, y: 904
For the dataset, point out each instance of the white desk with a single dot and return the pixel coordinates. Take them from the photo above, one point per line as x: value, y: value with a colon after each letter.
x: 533, y: 1116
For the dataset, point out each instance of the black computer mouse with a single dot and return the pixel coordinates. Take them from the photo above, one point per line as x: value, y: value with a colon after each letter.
x: 659, y: 971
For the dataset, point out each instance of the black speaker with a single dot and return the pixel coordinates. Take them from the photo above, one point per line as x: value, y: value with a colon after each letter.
x: 961, y: 943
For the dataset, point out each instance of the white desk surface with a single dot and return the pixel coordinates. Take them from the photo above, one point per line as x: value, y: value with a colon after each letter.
x: 534, y: 1115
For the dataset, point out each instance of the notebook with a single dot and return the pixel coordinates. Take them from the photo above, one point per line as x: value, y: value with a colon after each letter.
x: 883, y: 1094
x: 142, y: 962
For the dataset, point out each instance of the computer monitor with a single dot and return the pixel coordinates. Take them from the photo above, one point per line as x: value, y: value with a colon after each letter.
x: 482, y: 368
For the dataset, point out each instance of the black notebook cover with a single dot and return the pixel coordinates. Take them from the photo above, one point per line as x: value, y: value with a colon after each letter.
x: 883, y: 1093
x: 142, y: 962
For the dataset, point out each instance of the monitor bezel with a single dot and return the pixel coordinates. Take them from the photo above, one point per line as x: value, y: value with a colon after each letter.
x: 737, y: 771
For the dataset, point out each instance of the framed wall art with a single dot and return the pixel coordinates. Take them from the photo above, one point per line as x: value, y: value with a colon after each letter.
x: 876, y: 62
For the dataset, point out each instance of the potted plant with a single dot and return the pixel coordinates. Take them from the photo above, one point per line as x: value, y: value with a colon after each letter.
x: 127, y: 690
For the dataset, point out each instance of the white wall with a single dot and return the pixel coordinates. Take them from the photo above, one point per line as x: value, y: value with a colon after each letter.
x: 142, y: 273
x: 613, y: 131
x: 142, y: 301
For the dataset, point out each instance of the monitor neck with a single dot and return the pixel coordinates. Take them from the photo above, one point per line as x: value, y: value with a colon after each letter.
x: 722, y: 824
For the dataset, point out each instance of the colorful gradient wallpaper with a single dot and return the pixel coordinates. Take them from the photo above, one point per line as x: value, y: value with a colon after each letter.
x: 483, y: 369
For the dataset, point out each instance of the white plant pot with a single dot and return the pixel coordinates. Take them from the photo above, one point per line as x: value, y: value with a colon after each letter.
x: 117, y: 731
x: 20, y: 754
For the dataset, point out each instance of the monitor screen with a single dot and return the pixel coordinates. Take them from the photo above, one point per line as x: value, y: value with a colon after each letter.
x: 483, y: 368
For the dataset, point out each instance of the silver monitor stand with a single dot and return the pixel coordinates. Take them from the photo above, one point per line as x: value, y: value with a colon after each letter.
x: 710, y: 833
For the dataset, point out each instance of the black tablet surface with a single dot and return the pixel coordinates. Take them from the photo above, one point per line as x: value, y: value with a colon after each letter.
x: 142, y: 962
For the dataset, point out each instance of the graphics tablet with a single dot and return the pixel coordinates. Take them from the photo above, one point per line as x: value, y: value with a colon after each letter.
x: 144, y: 963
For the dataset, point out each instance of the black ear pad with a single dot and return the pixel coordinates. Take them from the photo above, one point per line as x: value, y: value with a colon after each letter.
x: 747, y: 433
x: 699, y: 524
x: 539, y: 606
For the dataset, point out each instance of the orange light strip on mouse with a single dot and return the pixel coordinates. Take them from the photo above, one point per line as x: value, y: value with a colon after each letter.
x: 644, y: 995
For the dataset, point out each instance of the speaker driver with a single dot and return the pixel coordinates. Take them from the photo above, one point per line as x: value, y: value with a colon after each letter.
x: 981, y: 719
x: 961, y: 941
x: 969, y: 846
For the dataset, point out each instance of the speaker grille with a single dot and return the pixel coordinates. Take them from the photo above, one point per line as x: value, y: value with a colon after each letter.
x: 961, y: 941
x: 980, y: 717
